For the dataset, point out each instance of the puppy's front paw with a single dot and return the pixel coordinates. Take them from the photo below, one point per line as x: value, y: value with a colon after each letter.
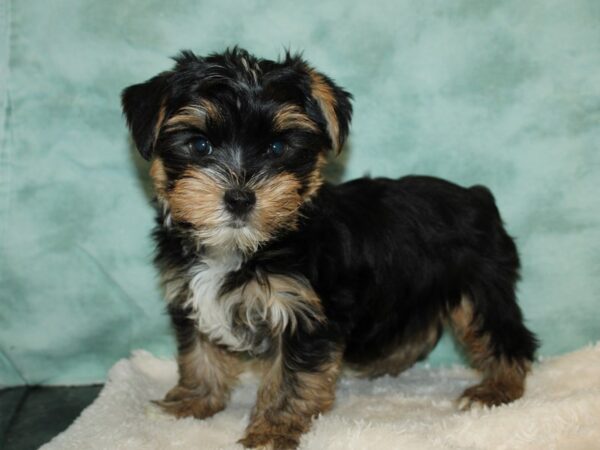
x: 180, y: 392
x: 183, y: 402
x: 269, y: 441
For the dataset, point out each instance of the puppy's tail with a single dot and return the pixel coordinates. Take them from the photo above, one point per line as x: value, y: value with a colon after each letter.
x: 483, y: 196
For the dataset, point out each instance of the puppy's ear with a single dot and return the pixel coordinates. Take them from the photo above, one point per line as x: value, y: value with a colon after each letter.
x: 143, y: 106
x: 335, y: 106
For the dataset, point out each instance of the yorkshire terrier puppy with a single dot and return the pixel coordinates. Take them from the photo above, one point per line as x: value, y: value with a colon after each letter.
x: 260, y: 259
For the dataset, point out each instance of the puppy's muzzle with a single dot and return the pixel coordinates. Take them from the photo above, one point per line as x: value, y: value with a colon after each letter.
x: 239, y: 202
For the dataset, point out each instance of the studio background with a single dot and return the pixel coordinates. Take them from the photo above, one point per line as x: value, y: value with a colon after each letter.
x: 503, y: 93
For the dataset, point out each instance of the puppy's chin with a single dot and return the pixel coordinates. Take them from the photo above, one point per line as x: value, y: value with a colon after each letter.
x: 236, y: 224
x: 233, y: 237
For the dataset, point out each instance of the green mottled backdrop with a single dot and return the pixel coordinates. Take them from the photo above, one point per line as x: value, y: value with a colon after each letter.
x: 505, y: 93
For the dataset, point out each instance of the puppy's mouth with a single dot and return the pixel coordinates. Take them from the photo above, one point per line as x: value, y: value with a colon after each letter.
x: 237, y: 223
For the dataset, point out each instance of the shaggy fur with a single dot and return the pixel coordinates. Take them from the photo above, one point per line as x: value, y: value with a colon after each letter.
x: 261, y: 259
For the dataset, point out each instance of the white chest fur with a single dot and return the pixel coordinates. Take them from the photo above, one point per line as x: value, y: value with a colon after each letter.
x: 279, y: 301
x: 213, y: 314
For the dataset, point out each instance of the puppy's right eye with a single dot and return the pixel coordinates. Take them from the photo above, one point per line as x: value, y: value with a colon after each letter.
x: 200, y: 145
x: 276, y: 148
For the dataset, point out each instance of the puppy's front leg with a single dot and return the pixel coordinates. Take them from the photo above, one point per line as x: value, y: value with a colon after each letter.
x: 298, y: 385
x: 207, y: 372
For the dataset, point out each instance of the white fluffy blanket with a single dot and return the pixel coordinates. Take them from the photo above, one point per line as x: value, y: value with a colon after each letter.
x: 561, y: 409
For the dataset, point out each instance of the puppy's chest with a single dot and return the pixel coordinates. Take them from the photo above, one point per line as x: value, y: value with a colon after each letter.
x: 217, y: 314
x: 248, y: 316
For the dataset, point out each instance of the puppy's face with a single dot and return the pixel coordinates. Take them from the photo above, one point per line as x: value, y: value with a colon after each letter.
x: 236, y: 142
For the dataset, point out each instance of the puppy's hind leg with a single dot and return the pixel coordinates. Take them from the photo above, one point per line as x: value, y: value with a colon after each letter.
x: 490, y: 327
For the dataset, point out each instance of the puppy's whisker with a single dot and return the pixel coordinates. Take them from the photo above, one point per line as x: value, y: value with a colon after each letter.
x: 258, y: 179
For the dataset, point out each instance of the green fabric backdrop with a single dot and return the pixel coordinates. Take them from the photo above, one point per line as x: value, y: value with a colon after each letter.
x: 505, y: 93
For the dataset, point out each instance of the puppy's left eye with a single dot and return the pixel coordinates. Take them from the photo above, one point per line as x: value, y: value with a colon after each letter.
x: 201, y: 145
x: 276, y: 148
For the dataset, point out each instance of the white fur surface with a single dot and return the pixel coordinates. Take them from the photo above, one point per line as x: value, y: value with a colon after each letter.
x: 213, y: 316
x: 560, y: 410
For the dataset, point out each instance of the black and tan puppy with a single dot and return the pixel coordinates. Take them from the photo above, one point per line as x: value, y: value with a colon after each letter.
x: 262, y: 260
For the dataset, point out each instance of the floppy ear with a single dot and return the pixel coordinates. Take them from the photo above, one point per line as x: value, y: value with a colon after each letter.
x: 143, y: 106
x: 335, y: 106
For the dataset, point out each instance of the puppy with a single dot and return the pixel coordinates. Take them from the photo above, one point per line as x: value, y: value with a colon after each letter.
x: 260, y: 259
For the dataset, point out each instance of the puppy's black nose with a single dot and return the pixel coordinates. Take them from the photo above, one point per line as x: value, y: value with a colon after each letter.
x: 239, y: 201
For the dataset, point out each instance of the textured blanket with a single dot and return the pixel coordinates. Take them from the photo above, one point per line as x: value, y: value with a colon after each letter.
x: 561, y: 409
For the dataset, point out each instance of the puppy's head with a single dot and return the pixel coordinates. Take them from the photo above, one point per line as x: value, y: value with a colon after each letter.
x: 236, y: 142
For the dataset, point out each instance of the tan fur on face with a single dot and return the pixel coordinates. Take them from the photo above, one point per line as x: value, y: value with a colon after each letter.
x: 503, y: 380
x: 292, y: 116
x: 287, y: 401
x: 277, y: 203
x: 159, y: 177
x: 325, y: 96
x: 196, y: 198
x: 315, y: 180
x: 194, y: 115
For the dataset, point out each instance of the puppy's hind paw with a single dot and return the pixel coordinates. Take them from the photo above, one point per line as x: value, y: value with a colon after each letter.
x: 466, y: 403
x: 488, y: 394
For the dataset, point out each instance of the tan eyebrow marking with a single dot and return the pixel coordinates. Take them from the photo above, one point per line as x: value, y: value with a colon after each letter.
x: 195, y: 115
x: 292, y: 116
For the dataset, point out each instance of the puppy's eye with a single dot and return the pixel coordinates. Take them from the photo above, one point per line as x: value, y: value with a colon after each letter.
x: 276, y: 148
x: 201, y: 145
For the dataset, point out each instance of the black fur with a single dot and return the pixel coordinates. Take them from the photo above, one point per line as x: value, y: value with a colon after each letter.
x: 387, y: 259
